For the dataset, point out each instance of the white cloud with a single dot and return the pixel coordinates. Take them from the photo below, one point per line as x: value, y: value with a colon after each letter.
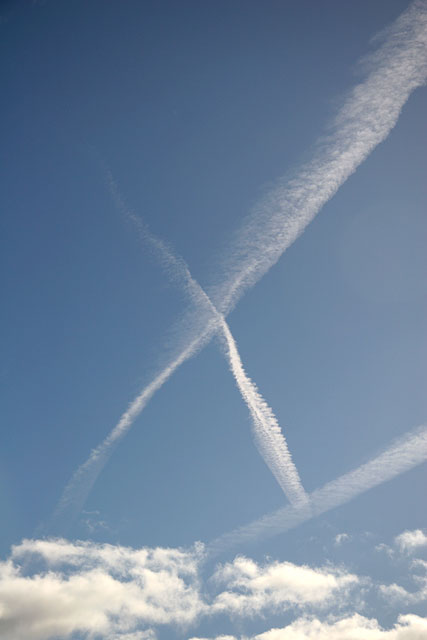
x: 51, y: 588
x: 217, y: 638
x: 251, y: 588
x: 417, y: 571
x: 395, y: 593
x: 87, y: 588
x: 384, y: 548
x: 356, y: 627
x: 148, y: 634
x: 340, y: 538
x: 410, y: 540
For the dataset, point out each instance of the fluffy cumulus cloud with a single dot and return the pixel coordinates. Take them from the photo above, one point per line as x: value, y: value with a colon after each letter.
x: 57, y: 588
x: 341, y: 538
x: 409, y: 541
x: 356, y: 627
x: 405, y: 545
x: 395, y: 593
x: 250, y: 588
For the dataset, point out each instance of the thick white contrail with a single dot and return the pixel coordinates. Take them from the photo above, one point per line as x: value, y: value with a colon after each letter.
x: 404, y: 454
x: 269, y: 438
x: 366, y: 118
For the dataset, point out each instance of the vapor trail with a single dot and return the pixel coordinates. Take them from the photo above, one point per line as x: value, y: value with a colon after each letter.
x: 77, y: 490
x: 268, y: 436
x: 367, y: 116
x: 404, y: 454
x: 369, y: 113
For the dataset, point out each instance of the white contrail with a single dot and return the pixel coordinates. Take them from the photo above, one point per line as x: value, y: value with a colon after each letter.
x: 75, y: 493
x: 404, y: 454
x: 365, y: 120
x: 367, y: 116
x: 268, y: 436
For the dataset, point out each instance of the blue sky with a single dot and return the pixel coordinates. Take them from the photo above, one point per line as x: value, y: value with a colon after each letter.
x: 273, y: 149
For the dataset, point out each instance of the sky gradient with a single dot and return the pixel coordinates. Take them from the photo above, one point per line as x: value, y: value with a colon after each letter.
x: 214, y: 347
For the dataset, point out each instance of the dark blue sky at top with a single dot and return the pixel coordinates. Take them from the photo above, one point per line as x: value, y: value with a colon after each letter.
x: 196, y: 107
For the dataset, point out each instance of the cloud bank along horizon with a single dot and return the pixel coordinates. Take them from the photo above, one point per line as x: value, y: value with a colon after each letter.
x: 60, y: 588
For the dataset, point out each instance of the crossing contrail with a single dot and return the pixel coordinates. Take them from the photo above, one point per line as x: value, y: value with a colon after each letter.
x: 368, y: 114
x: 405, y: 453
x: 268, y: 436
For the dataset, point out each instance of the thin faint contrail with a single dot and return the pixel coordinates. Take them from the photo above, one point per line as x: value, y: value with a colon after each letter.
x: 405, y: 453
x: 368, y: 114
x: 269, y: 438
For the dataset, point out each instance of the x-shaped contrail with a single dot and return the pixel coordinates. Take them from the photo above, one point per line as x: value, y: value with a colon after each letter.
x: 367, y: 116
